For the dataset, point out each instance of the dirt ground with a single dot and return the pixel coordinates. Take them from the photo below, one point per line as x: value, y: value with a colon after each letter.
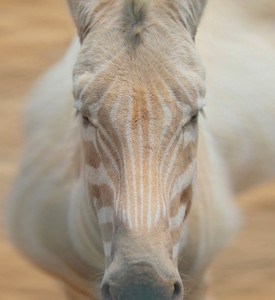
x: 34, y: 34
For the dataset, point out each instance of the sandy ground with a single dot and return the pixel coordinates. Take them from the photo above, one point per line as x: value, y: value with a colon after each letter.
x: 34, y: 34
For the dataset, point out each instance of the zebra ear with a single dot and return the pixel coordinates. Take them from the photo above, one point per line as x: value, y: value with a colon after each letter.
x: 191, y: 12
x: 81, y: 13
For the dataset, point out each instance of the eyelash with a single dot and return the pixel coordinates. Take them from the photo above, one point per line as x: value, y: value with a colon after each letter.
x: 195, y: 117
x: 202, y: 112
x: 85, y: 119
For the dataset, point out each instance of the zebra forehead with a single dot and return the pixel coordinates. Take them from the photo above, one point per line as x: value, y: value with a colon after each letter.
x: 173, y: 84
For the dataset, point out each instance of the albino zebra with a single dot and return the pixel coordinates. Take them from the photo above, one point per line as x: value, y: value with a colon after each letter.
x: 127, y: 199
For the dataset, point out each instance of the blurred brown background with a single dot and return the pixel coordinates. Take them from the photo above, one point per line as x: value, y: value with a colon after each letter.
x: 34, y: 34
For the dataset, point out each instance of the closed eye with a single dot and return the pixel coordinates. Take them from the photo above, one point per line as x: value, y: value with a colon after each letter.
x: 195, y: 117
x: 85, y: 120
x: 80, y: 111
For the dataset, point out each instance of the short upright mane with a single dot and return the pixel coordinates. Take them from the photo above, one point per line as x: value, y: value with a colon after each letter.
x: 135, y: 15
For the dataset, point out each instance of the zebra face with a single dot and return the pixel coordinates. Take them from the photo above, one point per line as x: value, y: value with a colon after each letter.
x: 139, y: 142
x: 138, y: 100
x: 139, y: 145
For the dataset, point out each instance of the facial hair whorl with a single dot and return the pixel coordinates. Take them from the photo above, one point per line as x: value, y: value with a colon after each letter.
x: 134, y: 16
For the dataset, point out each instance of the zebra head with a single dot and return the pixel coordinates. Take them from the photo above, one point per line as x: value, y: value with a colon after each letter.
x: 139, y: 87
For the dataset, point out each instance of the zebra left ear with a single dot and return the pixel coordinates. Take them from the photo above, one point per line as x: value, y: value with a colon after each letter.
x: 81, y: 13
x: 191, y: 12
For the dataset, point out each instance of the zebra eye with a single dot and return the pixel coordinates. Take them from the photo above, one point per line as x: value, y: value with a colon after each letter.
x: 85, y: 120
x: 194, y: 118
x: 88, y: 121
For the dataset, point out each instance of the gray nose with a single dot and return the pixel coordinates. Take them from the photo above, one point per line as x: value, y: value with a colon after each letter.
x: 141, y: 283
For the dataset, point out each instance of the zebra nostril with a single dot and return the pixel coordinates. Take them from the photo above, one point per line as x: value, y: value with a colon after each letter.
x: 105, y: 292
x: 177, y: 292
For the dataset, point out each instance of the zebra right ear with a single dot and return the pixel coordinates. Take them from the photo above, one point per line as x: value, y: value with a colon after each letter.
x: 81, y: 13
x: 190, y: 12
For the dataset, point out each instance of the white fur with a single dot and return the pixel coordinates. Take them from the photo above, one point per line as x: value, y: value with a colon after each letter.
x: 240, y: 114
